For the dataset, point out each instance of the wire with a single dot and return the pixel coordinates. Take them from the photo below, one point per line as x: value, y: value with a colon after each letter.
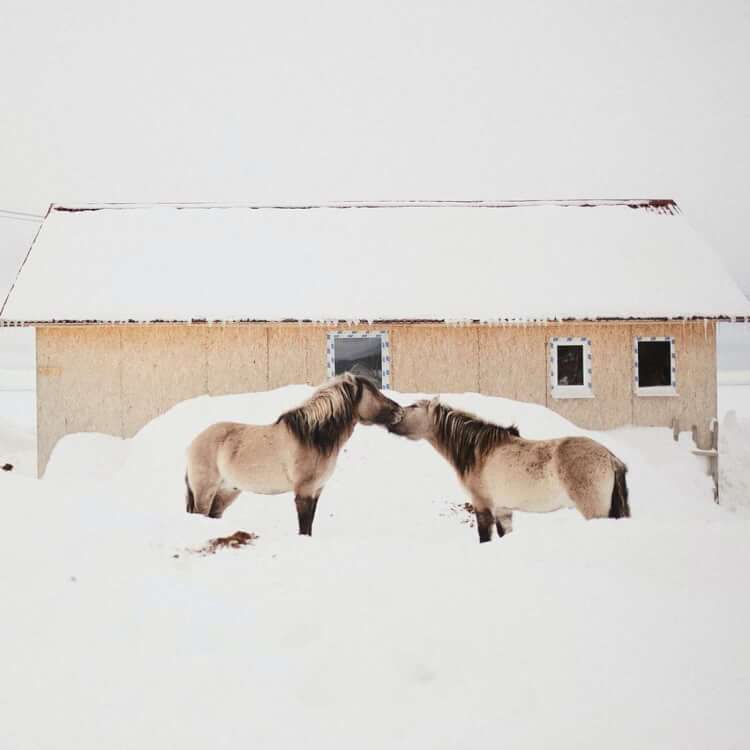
x: 21, y: 219
x: 21, y: 213
x: 6, y: 213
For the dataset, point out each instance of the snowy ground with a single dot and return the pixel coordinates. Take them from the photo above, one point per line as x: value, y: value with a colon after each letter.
x: 391, y: 627
x: 734, y: 441
x: 18, y: 399
x: 734, y: 394
x: 18, y: 420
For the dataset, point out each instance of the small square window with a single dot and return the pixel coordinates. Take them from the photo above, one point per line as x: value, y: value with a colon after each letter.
x: 655, y: 367
x: 366, y: 354
x: 570, y: 367
x: 570, y: 364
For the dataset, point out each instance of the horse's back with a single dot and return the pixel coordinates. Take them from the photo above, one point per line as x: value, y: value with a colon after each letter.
x: 263, y: 459
x: 207, y: 441
x: 587, y: 469
x: 545, y: 475
x: 256, y: 458
x: 521, y: 475
x: 584, y: 461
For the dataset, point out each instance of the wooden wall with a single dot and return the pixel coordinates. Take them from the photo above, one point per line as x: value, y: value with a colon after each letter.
x: 114, y: 379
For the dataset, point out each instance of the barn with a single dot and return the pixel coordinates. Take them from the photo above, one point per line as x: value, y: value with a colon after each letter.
x: 603, y: 310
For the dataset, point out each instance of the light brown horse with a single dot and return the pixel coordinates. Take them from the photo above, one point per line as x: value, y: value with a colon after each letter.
x: 295, y: 454
x: 503, y: 472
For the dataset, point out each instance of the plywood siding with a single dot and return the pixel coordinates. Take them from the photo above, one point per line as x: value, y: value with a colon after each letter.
x: 288, y: 350
x: 431, y: 359
x: 79, y: 386
x: 161, y: 366
x: 115, y: 379
x: 237, y: 359
x: 315, y: 346
x: 501, y: 350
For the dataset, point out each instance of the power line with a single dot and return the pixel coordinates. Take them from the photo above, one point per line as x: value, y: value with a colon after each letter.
x: 21, y: 213
x: 21, y: 219
x: 6, y: 213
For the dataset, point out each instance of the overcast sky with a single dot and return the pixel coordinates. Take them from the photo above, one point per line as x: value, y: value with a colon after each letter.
x: 148, y: 101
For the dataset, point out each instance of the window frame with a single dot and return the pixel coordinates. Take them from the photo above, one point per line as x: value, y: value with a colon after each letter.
x: 571, y: 391
x: 656, y: 390
x: 385, y: 351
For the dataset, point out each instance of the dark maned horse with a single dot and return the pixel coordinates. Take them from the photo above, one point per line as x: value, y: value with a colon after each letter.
x: 503, y: 472
x: 295, y: 454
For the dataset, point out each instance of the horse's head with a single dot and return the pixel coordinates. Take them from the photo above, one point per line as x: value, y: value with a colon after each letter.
x: 372, y: 406
x: 418, y: 420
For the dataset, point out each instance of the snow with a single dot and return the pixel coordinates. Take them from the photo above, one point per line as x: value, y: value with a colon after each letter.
x: 734, y: 394
x: 539, y: 261
x: 734, y: 441
x: 731, y: 378
x: 733, y: 348
x: 17, y: 352
x: 18, y: 420
x: 734, y: 463
x: 390, y: 627
x: 17, y: 400
x: 17, y: 444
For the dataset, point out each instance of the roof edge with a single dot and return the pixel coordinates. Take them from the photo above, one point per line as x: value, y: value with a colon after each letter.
x: 378, y: 321
x: 659, y: 205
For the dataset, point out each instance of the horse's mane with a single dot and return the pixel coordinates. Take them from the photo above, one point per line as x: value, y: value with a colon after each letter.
x: 321, y: 421
x: 465, y: 438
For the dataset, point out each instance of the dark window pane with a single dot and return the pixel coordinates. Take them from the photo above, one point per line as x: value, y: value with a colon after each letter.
x: 359, y: 356
x: 570, y: 365
x: 654, y: 363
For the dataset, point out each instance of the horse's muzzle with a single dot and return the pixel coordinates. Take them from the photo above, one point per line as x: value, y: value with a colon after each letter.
x: 396, y: 426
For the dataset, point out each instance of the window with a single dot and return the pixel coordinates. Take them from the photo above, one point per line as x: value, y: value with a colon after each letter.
x: 655, y: 366
x: 365, y: 354
x: 570, y: 367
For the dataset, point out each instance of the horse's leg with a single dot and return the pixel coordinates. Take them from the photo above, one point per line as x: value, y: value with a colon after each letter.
x: 314, y: 508
x: 189, y: 497
x: 586, y: 473
x: 484, y: 524
x: 592, y: 500
x: 503, y: 522
x: 592, y: 503
x: 305, y: 513
x: 203, y: 482
x: 203, y: 497
x: 222, y: 500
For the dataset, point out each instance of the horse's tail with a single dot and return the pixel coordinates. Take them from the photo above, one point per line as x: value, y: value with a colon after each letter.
x: 619, y: 507
x: 190, y: 499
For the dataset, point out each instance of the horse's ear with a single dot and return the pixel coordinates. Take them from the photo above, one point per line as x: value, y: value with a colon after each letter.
x: 434, y: 403
x: 349, y: 378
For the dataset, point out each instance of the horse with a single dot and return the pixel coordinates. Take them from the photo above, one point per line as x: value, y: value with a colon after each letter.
x: 502, y: 472
x: 297, y: 453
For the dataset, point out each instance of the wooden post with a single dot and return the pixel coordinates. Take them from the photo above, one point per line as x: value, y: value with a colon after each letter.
x: 715, y: 458
x: 711, y: 454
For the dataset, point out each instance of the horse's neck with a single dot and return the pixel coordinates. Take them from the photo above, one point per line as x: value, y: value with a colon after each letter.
x: 442, y: 450
x: 342, y: 437
x: 346, y: 433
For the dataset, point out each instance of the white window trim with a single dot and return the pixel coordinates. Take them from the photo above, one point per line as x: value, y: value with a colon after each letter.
x: 656, y: 390
x: 571, y: 391
x: 385, y: 351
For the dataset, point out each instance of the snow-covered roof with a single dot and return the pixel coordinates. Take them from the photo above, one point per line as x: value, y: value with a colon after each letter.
x: 437, y: 261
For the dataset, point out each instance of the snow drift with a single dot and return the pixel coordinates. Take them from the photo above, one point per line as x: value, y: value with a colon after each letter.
x: 391, y: 627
